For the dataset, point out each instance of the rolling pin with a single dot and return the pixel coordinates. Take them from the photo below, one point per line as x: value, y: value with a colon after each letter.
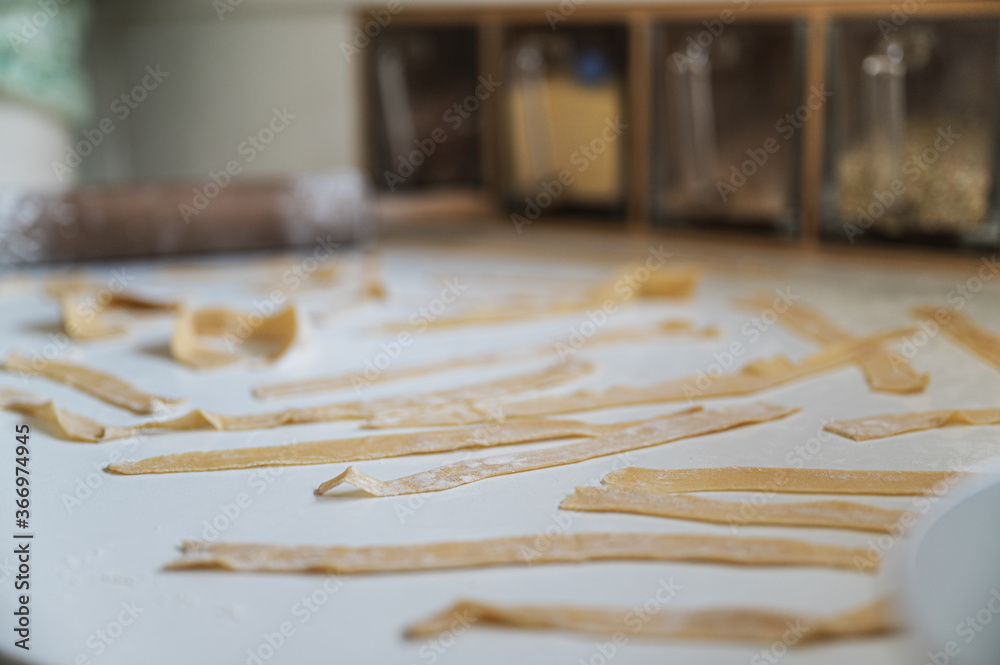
x: 100, y: 221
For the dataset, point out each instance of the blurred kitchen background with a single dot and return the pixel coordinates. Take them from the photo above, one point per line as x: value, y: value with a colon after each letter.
x: 825, y: 121
x: 226, y: 66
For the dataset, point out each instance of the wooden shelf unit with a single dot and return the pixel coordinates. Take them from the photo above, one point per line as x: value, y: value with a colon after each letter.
x: 492, y: 21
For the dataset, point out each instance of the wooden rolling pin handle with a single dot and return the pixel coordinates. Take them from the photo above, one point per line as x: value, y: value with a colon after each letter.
x: 147, y: 220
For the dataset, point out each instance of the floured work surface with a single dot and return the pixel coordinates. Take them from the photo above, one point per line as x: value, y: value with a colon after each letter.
x: 103, y: 539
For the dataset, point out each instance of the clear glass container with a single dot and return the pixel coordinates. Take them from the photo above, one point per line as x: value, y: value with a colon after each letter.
x: 565, y: 121
x: 912, y: 132
x: 425, y: 97
x: 727, y: 124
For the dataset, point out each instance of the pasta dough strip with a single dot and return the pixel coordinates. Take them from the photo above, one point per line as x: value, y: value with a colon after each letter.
x: 79, y: 428
x: 63, y: 421
x: 891, y: 424
x: 665, y: 282
x: 671, y: 327
x: 365, y: 447
x: 831, y: 514
x: 885, y: 372
x: 522, y: 550
x: 341, y: 381
x: 372, y: 285
x: 771, y: 479
x: 674, y: 327
x: 87, y: 308
x: 754, y: 377
x: 103, y: 386
x: 650, y: 433
x: 731, y: 624
x: 271, y: 336
x: 965, y: 331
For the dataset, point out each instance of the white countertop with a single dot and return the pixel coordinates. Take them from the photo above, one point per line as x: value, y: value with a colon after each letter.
x: 93, y: 552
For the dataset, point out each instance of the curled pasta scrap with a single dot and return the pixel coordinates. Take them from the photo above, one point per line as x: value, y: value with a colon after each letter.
x: 66, y: 424
x: 92, y: 311
x: 217, y: 337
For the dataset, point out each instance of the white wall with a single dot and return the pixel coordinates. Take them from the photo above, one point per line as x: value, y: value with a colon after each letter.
x: 224, y: 77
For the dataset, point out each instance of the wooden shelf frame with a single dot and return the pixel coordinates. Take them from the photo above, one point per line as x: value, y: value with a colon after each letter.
x: 640, y: 20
